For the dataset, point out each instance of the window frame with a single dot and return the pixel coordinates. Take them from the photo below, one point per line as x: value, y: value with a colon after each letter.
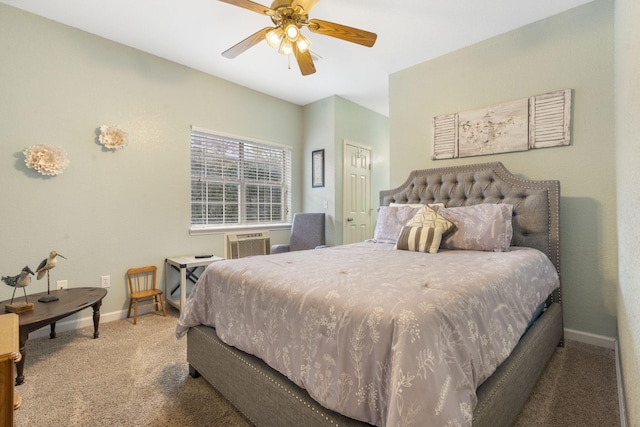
x: 245, y: 145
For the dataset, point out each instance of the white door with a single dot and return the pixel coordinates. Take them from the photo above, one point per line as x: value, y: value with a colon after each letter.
x: 356, y: 193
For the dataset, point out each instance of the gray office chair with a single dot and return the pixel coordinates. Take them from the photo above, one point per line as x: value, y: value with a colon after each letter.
x: 307, y: 232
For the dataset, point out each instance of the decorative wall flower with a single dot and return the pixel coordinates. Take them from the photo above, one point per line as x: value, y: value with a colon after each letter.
x: 113, y: 137
x: 46, y: 159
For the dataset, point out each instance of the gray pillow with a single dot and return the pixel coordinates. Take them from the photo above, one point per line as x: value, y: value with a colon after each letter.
x: 483, y: 227
x: 390, y: 222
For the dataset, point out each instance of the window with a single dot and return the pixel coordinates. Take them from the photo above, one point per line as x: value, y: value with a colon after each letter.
x: 237, y: 182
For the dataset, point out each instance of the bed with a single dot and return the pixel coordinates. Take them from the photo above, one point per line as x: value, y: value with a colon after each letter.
x: 468, y: 371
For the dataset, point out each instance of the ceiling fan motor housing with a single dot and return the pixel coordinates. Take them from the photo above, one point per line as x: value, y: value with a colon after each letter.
x: 282, y: 14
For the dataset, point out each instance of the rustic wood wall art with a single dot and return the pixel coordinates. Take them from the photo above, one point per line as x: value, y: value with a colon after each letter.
x: 536, y: 122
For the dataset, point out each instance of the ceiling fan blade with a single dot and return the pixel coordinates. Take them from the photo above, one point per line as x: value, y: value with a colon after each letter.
x: 306, y: 5
x: 247, y: 4
x: 350, y: 34
x: 305, y: 62
x: 245, y: 44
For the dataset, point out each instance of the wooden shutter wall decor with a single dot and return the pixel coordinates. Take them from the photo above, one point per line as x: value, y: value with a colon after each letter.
x: 549, y: 122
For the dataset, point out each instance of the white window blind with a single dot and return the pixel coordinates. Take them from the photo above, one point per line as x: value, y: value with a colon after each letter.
x: 238, y: 182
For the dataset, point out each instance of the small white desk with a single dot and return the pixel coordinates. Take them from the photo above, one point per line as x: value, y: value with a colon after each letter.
x: 187, y: 266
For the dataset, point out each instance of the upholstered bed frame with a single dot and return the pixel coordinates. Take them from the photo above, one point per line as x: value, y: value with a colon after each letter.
x: 268, y: 398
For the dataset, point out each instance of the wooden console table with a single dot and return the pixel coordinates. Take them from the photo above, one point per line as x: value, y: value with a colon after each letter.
x: 9, y: 355
x: 70, y: 301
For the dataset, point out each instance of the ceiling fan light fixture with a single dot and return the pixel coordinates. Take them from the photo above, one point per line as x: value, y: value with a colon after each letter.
x: 286, y: 47
x: 275, y: 36
x: 292, y: 32
x: 303, y: 43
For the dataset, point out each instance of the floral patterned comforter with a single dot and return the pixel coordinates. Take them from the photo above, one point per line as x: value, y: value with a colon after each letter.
x: 390, y: 337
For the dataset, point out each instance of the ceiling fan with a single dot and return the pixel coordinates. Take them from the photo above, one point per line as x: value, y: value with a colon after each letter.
x: 289, y: 16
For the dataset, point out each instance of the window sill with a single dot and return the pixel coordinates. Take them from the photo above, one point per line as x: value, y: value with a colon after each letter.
x: 195, y: 231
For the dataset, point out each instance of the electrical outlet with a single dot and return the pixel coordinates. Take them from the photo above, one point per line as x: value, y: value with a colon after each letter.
x: 105, y: 281
x: 61, y: 284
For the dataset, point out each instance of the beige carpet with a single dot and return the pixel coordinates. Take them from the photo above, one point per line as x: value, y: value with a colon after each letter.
x: 138, y: 376
x: 578, y: 388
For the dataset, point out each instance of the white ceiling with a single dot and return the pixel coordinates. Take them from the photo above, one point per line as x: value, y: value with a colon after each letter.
x: 195, y: 32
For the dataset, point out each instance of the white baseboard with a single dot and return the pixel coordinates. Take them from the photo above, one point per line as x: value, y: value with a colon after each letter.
x: 70, y: 325
x: 587, y: 338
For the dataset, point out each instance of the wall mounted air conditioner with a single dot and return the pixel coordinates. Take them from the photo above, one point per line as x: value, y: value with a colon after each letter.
x: 240, y: 245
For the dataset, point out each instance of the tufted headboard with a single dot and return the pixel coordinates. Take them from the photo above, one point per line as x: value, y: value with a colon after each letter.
x: 536, y: 204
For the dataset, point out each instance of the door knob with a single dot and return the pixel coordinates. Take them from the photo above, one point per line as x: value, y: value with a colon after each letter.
x: 349, y: 219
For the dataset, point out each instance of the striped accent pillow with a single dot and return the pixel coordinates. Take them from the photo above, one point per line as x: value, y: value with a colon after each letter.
x: 420, y: 239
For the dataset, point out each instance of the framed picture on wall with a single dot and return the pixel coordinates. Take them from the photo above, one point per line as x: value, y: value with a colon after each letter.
x: 317, y: 168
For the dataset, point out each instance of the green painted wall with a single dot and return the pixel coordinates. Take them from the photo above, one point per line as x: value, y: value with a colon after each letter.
x: 572, y: 50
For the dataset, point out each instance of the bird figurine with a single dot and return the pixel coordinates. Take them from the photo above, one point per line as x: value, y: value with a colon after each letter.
x: 21, y: 280
x: 47, y: 264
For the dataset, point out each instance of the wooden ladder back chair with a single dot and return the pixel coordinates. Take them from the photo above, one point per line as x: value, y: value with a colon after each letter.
x: 142, y: 287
